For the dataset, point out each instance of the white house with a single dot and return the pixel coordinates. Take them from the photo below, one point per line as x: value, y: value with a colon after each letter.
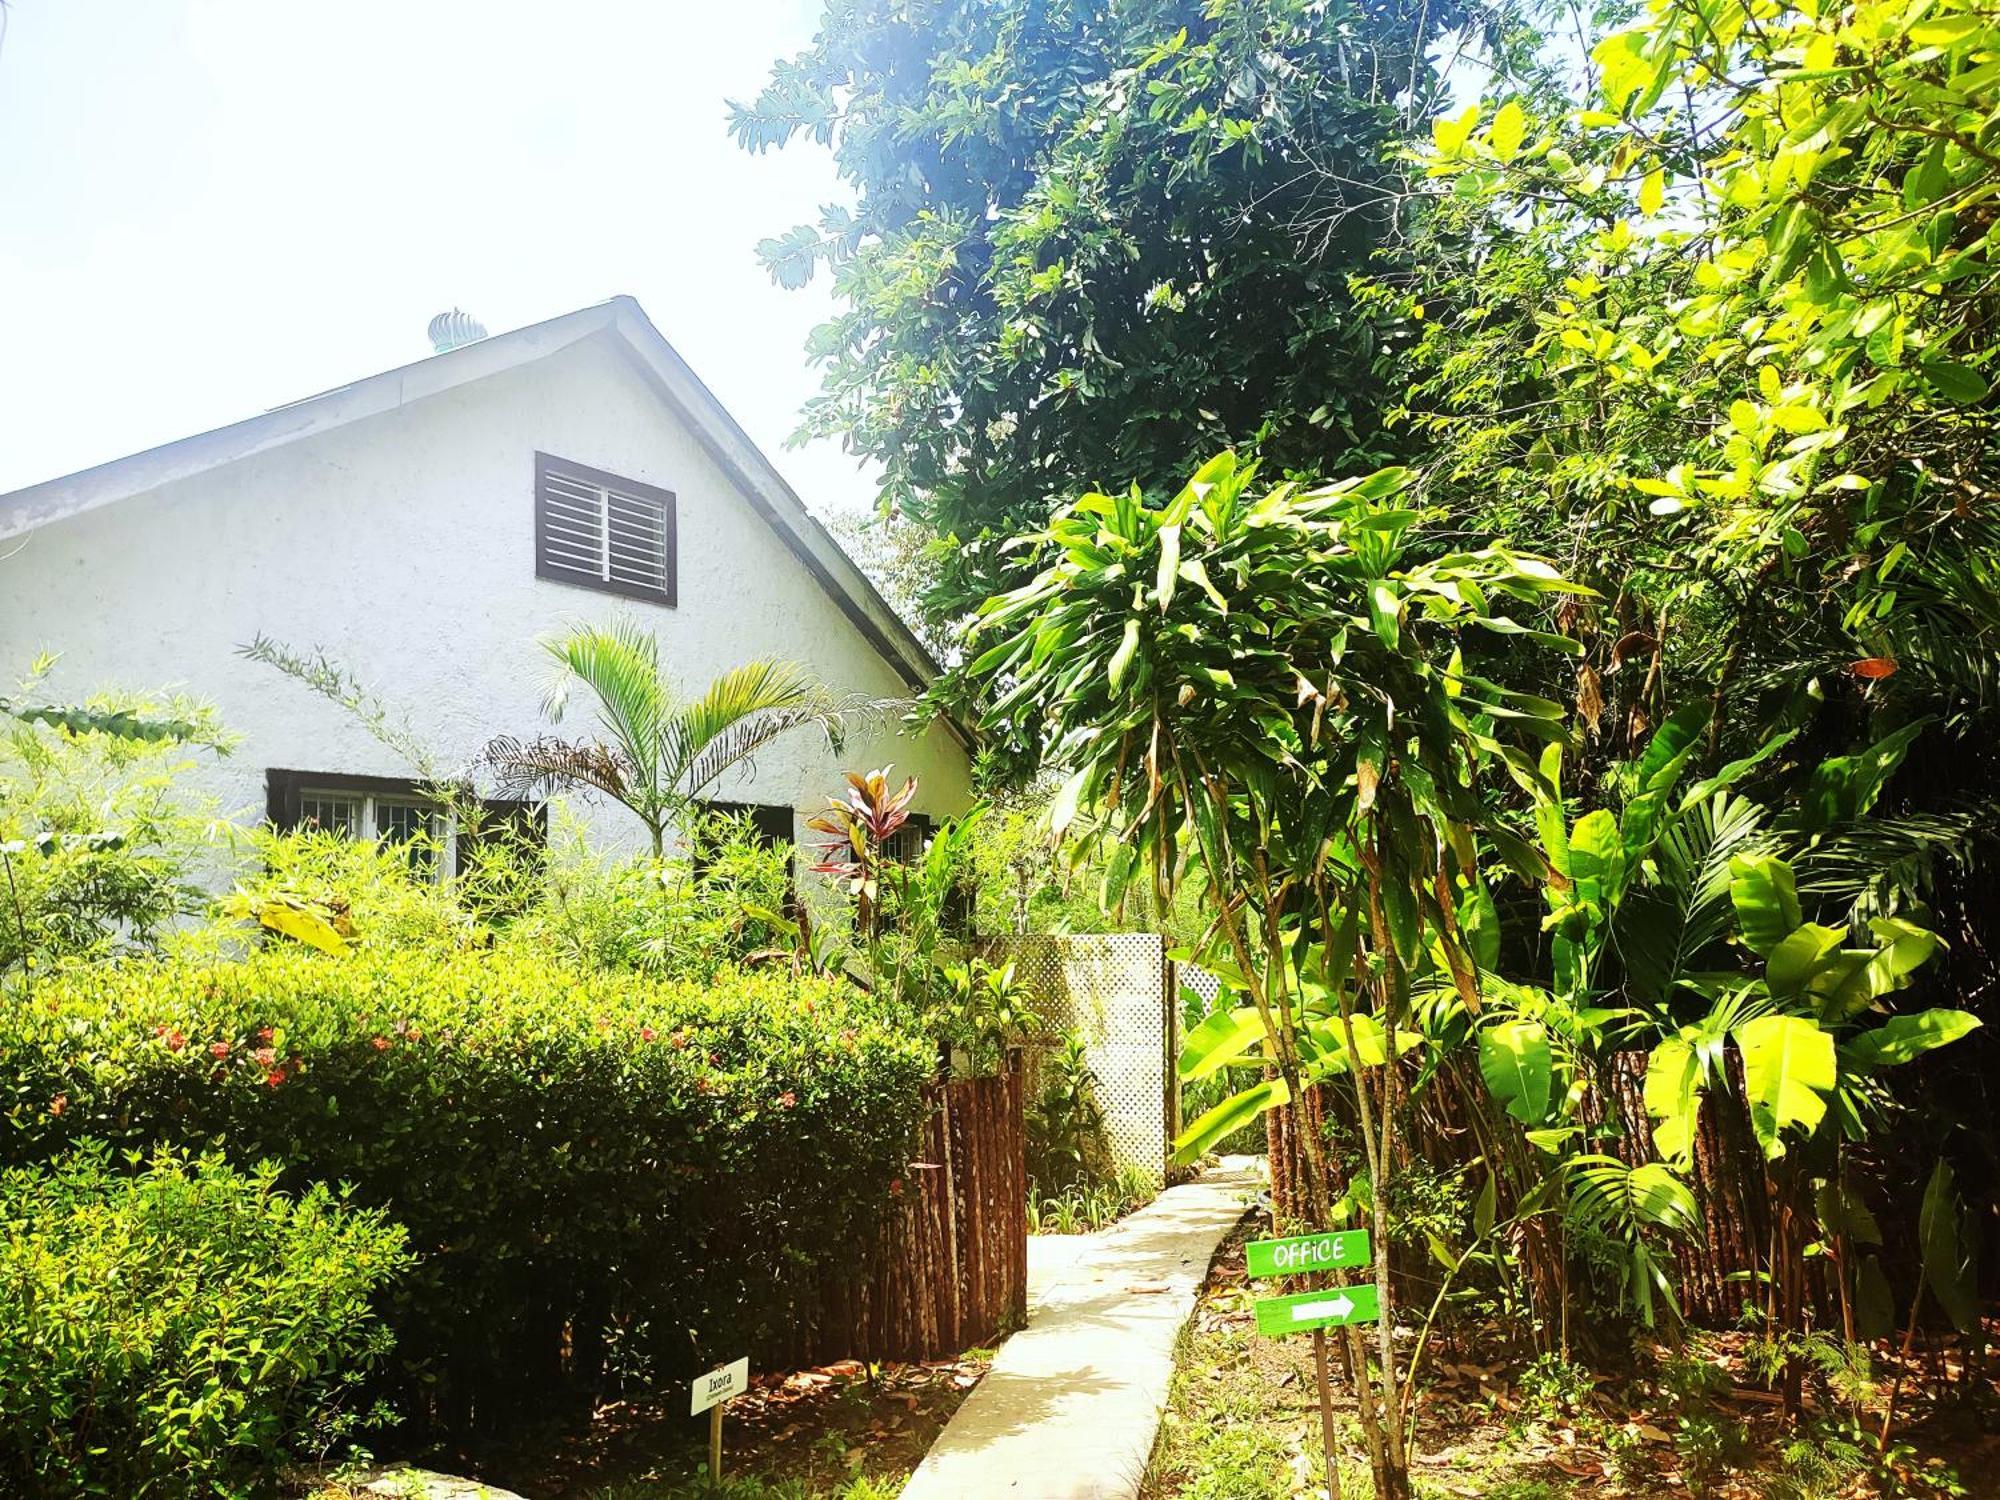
x: 424, y: 528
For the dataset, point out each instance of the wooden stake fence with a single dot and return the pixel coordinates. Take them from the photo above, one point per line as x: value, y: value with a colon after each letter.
x: 948, y: 1268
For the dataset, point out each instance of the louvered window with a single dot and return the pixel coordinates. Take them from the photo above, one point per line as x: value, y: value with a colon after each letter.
x: 602, y: 532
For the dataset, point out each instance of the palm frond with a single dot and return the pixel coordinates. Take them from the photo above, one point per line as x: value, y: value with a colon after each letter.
x: 620, y: 664
x: 1667, y: 922
x: 538, y: 767
x: 741, y: 712
x: 1869, y: 864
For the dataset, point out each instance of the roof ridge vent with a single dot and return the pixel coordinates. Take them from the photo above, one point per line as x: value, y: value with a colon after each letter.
x: 454, y: 329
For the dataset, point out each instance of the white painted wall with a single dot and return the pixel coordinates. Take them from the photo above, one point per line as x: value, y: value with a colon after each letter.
x: 403, y: 545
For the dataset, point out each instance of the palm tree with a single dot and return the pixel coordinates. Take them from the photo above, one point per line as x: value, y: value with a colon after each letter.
x: 656, y: 753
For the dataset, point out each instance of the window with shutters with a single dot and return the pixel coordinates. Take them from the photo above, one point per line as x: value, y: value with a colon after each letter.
x: 599, y: 531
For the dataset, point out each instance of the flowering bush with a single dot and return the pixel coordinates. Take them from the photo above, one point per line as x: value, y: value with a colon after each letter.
x: 599, y: 1173
x: 180, y: 1332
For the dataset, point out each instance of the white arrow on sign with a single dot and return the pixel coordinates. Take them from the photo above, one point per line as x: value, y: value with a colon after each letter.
x: 1339, y: 1307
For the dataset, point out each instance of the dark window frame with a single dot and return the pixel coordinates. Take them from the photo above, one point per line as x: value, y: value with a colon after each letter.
x: 919, y: 829
x: 764, y: 817
x: 284, y: 791
x: 547, y: 464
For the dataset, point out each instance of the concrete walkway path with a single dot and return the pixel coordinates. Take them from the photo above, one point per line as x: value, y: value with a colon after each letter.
x: 1072, y: 1404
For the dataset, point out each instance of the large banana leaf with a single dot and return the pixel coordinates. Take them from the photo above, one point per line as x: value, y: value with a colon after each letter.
x: 1230, y: 1115
x: 1789, y: 1066
x: 1514, y: 1060
x: 1219, y: 1041
x: 1901, y: 1038
x: 1949, y: 1238
x: 1673, y: 1098
x: 1766, y: 900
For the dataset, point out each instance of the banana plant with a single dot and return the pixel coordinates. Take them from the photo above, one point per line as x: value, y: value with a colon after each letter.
x: 1798, y: 1025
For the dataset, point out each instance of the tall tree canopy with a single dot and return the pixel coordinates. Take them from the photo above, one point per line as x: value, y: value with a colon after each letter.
x: 1093, y: 242
x: 1719, y: 335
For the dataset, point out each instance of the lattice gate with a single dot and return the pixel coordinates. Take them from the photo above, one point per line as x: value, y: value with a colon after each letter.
x: 1117, y: 992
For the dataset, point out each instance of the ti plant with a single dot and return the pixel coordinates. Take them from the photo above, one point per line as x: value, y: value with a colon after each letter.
x: 903, y: 907
x: 861, y: 826
x: 1280, y: 685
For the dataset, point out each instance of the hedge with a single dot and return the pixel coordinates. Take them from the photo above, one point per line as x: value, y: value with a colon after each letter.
x: 600, y: 1174
x: 178, y: 1332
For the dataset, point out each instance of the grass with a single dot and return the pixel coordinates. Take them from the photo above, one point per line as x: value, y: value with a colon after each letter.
x: 1087, y: 1208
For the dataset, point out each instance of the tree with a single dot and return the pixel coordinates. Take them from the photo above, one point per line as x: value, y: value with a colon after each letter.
x: 1721, y: 328
x: 1287, y: 689
x: 658, y: 754
x: 1092, y: 243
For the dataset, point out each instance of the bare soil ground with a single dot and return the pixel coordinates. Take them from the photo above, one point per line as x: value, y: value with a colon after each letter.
x: 1243, y: 1422
x: 841, y: 1432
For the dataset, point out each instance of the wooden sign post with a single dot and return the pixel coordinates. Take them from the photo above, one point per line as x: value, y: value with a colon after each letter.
x: 1315, y: 1312
x: 707, y: 1395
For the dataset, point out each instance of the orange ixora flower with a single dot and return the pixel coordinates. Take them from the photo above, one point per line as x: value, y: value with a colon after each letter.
x: 381, y: 1044
x: 58, y: 1104
x: 218, y: 1049
x: 275, y: 1077
x: 788, y: 1100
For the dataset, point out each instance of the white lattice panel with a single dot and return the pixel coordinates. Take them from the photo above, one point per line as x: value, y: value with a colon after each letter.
x: 1113, y: 991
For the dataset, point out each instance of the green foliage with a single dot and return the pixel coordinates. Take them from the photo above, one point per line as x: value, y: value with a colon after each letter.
x: 1284, y: 688
x: 1788, y: 1070
x: 180, y: 1331
x: 678, y: 1159
x: 1066, y: 1144
x: 1551, y: 1388
x: 1718, y: 304
x: 1025, y: 880
x: 1022, y: 314
x: 987, y: 1012
x: 96, y: 839
x: 656, y: 752
x: 1948, y: 1236
x: 1226, y: 635
x: 1090, y: 1203
x: 683, y: 918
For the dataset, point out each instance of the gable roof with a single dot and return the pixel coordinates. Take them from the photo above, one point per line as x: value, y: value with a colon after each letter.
x: 620, y: 321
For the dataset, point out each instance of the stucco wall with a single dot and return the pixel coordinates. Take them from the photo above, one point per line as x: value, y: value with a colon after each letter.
x: 403, y: 545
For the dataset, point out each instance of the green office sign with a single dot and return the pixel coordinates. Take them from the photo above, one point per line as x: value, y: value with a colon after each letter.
x: 1300, y: 1253
x: 1302, y: 1312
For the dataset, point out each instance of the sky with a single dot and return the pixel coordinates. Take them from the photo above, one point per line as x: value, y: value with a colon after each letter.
x: 212, y: 207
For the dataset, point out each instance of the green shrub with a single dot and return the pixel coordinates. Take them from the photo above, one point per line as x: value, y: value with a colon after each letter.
x: 177, y: 1332
x: 590, y: 1166
x: 96, y: 839
x: 673, y: 918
